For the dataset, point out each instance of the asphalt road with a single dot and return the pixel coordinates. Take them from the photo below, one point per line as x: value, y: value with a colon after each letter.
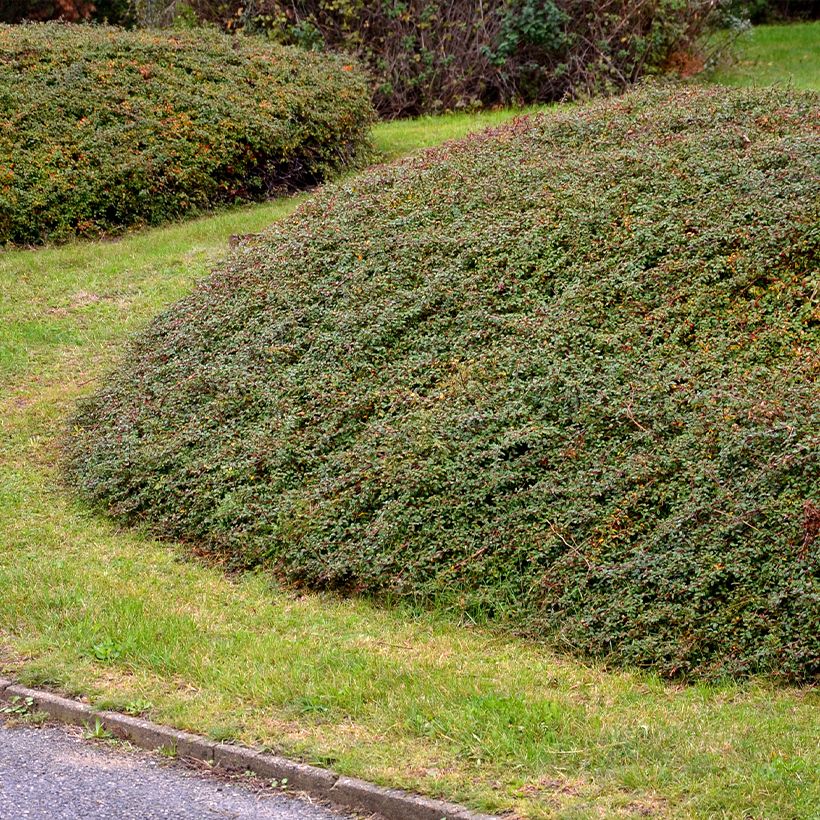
x: 53, y: 773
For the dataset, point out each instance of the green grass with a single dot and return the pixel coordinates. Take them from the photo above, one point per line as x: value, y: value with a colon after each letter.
x: 400, y: 137
x: 779, y: 54
x: 401, y: 698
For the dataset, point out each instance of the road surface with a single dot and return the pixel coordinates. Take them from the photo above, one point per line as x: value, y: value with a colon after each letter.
x: 52, y: 773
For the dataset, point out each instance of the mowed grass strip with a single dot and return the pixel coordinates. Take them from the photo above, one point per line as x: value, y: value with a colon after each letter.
x: 402, y: 698
x: 400, y: 137
x: 785, y: 54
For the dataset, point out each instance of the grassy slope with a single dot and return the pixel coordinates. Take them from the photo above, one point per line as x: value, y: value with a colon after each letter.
x: 400, y: 137
x: 784, y: 54
x: 413, y: 701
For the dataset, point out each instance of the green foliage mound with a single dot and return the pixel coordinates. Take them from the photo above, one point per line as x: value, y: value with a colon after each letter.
x: 102, y: 128
x: 562, y: 374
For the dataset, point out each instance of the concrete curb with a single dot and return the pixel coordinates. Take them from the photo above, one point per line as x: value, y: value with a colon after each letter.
x: 345, y: 792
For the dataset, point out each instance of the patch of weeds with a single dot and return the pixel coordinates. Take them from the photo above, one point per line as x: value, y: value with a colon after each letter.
x: 107, y: 650
x: 325, y: 761
x: 20, y: 710
x: 310, y: 705
x: 37, y: 718
x: 97, y: 732
x: 169, y: 751
x: 138, y: 707
x: 18, y: 707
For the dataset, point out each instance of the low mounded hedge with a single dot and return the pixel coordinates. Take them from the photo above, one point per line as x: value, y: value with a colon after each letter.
x: 102, y: 128
x: 562, y: 374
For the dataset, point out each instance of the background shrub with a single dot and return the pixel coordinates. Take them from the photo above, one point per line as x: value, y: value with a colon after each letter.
x: 562, y: 374
x: 102, y: 128
x: 427, y: 54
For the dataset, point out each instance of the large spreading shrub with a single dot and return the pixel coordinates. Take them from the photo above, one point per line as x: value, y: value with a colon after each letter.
x: 102, y: 128
x: 561, y: 374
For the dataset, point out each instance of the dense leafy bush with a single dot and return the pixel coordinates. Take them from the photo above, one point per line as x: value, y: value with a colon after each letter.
x: 101, y: 128
x: 562, y: 373
x: 429, y: 53
x: 426, y: 54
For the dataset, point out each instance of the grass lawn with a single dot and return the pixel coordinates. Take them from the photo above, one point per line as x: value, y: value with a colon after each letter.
x: 780, y: 54
x: 393, y: 696
x: 400, y: 137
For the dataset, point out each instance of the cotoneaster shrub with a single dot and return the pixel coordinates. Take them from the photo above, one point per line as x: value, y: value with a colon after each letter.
x: 102, y: 128
x: 562, y: 374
